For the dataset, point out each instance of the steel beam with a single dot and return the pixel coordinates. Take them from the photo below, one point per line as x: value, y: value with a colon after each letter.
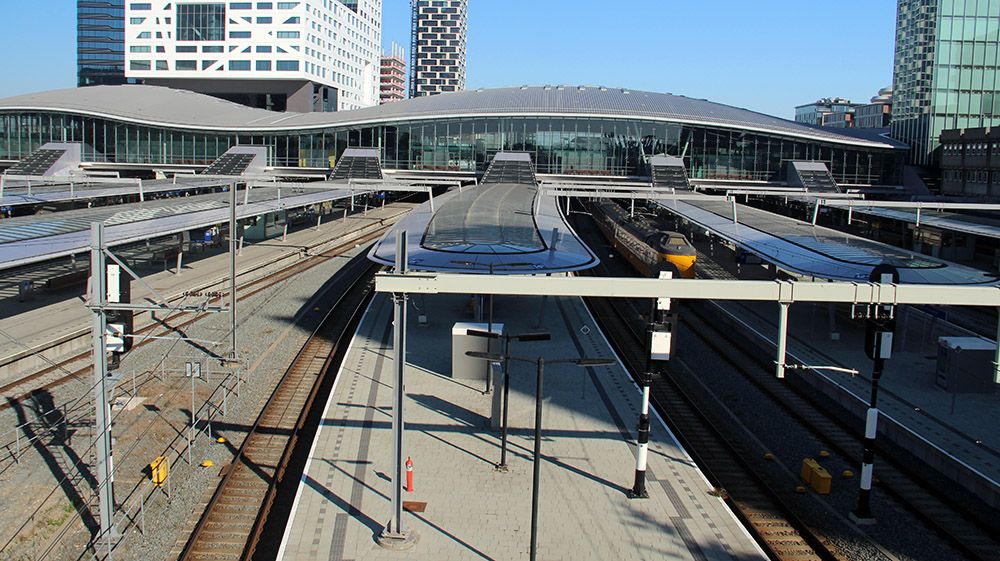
x: 690, y: 289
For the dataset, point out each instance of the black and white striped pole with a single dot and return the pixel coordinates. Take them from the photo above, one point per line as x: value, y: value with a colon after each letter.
x: 879, y: 327
x: 659, y: 342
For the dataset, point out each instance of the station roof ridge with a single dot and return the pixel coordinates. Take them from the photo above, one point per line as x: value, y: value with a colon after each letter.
x: 167, y: 107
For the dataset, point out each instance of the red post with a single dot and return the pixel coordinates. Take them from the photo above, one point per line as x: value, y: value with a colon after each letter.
x: 409, y: 475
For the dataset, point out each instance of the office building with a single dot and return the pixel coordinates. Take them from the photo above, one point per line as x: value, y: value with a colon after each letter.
x: 945, y: 74
x: 437, y: 46
x: 392, y: 79
x: 298, y: 56
x: 875, y: 115
x: 100, y: 42
x: 826, y: 112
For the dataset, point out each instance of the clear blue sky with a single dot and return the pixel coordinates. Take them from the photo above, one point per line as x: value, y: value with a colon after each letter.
x: 765, y: 55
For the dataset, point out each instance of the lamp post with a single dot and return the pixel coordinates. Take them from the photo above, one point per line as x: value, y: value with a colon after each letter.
x: 536, y: 465
x: 523, y: 337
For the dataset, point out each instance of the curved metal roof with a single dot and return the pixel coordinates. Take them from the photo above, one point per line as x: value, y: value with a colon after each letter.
x: 167, y: 107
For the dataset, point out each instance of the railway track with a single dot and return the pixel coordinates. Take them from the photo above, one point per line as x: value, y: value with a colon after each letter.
x: 926, y: 502
x: 777, y: 529
x: 58, y: 374
x: 234, y: 519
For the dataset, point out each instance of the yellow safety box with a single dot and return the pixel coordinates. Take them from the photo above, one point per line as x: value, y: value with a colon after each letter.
x: 160, y: 469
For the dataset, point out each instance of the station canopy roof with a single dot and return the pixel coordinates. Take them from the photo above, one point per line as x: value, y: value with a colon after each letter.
x: 819, y: 252
x: 160, y: 106
x: 488, y: 229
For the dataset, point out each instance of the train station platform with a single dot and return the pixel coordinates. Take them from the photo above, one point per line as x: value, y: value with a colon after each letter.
x: 952, y: 431
x: 464, y: 508
x: 45, y: 329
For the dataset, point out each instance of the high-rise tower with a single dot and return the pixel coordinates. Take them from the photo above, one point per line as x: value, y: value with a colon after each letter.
x: 437, y: 46
x: 100, y: 42
x: 946, y: 73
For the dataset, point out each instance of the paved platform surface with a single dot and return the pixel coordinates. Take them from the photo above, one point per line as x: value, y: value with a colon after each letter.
x: 33, y: 324
x: 472, y: 511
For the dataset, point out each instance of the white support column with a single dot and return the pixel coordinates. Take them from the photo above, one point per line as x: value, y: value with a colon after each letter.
x: 142, y: 196
x: 779, y: 370
x: 850, y: 214
x: 815, y: 212
x: 735, y: 217
x: 918, y: 217
x: 430, y: 197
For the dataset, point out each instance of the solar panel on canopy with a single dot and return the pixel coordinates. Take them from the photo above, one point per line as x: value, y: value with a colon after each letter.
x: 36, y: 163
x: 229, y: 164
x: 510, y: 167
x: 358, y: 163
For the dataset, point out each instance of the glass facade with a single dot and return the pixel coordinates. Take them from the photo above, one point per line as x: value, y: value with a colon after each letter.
x: 100, y: 42
x: 575, y: 146
x: 201, y: 22
x: 947, y: 71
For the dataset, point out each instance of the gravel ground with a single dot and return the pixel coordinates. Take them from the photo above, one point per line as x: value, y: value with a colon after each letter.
x: 724, y: 391
x: 160, y: 415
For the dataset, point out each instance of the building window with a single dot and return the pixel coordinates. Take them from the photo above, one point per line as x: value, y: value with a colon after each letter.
x: 287, y: 5
x: 239, y: 65
x: 263, y: 5
x: 263, y: 20
x: 138, y: 49
x: 212, y: 49
x: 263, y: 65
x: 240, y: 5
x: 263, y: 48
x: 186, y: 65
x: 186, y: 48
x: 239, y: 34
x: 138, y: 65
x: 145, y: 6
x: 161, y: 65
x: 288, y: 35
x: 287, y: 66
x: 201, y: 22
x: 136, y: 21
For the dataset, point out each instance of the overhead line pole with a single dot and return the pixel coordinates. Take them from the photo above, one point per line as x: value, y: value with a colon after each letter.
x: 233, y: 354
x: 102, y: 416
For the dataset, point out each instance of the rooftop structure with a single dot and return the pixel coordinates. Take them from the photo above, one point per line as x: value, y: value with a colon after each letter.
x: 392, y: 79
x: 437, y: 46
x: 572, y: 130
x: 827, y: 111
x: 875, y: 115
x: 291, y: 56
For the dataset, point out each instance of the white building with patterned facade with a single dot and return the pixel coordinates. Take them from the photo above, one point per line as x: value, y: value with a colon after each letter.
x: 303, y: 56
